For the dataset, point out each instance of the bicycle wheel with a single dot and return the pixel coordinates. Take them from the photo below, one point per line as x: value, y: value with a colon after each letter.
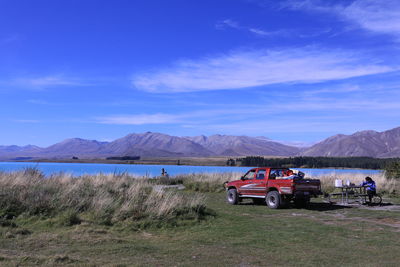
x: 377, y: 199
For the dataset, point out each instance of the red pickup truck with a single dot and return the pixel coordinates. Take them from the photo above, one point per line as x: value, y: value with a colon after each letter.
x: 274, y: 186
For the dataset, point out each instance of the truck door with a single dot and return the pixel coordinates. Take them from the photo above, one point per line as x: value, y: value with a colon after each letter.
x: 260, y: 183
x: 246, y: 182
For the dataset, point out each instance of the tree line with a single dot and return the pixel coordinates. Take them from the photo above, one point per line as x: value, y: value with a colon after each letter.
x: 316, y: 162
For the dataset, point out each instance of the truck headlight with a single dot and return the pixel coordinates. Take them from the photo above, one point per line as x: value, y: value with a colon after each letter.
x: 286, y: 190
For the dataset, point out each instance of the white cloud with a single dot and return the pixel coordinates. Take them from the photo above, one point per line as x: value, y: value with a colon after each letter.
x: 382, y: 16
x: 256, y: 68
x: 375, y: 15
x: 140, y: 119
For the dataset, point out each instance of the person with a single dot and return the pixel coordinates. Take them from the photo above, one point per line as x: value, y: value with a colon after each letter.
x: 163, y: 172
x: 370, y: 186
x: 288, y: 174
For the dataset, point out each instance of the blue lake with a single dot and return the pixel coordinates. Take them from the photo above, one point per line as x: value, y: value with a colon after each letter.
x: 147, y: 170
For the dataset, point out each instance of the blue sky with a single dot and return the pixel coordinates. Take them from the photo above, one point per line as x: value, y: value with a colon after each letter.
x: 293, y: 71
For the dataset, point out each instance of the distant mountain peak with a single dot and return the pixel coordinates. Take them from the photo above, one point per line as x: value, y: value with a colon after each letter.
x: 367, y: 143
x: 366, y: 132
x: 363, y: 143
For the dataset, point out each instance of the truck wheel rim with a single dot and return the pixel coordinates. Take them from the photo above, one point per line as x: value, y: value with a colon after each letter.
x: 230, y: 196
x: 271, y: 200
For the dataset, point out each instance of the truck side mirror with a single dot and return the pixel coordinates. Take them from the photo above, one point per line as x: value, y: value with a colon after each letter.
x: 272, y: 176
x: 242, y: 178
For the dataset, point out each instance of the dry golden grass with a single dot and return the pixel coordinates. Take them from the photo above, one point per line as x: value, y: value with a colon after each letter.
x: 111, y: 198
x: 207, y: 182
x: 212, y: 182
x: 383, y: 184
x: 108, y: 198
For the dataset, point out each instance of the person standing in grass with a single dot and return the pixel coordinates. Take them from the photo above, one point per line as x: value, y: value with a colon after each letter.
x: 370, y: 186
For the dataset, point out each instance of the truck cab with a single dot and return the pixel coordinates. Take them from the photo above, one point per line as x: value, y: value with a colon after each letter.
x: 275, y: 186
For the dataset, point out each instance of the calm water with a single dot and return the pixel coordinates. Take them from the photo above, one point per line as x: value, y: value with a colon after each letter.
x: 146, y: 170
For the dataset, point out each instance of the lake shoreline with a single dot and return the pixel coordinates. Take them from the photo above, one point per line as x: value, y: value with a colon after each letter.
x: 152, y: 170
x: 185, y: 161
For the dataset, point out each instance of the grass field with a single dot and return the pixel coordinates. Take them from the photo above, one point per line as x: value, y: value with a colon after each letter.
x: 243, y: 235
x: 117, y: 220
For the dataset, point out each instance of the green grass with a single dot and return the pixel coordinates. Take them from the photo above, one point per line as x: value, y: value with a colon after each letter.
x: 242, y: 235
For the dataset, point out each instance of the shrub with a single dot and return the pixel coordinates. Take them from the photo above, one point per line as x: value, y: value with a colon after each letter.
x: 207, y: 182
x: 69, y: 218
x: 392, y: 170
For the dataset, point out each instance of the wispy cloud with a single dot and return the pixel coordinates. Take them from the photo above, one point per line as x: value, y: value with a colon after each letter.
x: 260, y: 32
x: 285, y: 110
x: 52, y: 80
x: 346, y: 88
x: 243, y: 69
x: 44, y: 82
x: 229, y: 23
x: 373, y: 15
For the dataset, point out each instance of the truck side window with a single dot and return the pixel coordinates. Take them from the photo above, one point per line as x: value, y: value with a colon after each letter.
x: 261, y: 175
x: 249, y: 175
x: 273, y: 174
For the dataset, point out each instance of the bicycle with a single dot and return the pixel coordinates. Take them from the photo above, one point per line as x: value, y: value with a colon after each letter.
x: 376, y: 199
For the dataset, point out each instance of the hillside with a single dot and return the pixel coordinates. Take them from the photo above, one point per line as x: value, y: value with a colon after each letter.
x: 228, y: 145
x: 365, y: 143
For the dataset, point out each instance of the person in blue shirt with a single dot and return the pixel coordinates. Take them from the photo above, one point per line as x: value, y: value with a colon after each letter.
x: 370, y: 186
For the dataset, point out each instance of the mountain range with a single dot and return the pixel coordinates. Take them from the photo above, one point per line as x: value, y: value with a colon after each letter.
x: 365, y: 143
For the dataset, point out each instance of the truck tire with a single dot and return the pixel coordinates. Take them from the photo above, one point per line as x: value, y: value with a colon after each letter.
x: 232, y: 196
x: 273, y: 200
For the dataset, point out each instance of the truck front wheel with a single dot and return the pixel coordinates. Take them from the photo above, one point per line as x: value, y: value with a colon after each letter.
x: 273, y: 200
x: 232, y: 196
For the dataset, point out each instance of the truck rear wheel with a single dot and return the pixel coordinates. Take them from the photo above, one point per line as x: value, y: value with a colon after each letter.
x: 273, y: 200
x: 232, y: 196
